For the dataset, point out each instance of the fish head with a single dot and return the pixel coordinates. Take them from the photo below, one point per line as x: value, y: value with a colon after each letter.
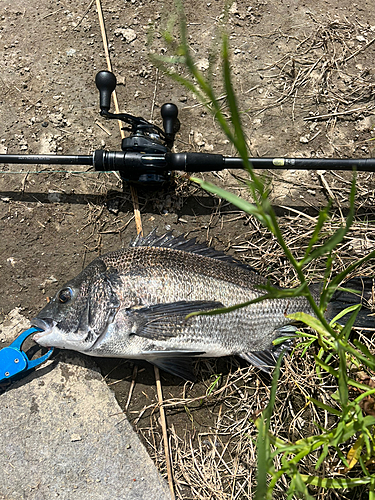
x: 80, y: 312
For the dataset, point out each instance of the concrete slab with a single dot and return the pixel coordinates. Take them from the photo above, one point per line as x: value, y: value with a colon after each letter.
x: 64, y: 436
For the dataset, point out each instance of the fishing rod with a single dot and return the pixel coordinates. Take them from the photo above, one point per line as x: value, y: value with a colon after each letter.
x: 146, y: 158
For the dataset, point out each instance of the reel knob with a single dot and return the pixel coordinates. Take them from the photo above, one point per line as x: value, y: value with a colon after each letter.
x: 106, y: 83
x: 169, y: 113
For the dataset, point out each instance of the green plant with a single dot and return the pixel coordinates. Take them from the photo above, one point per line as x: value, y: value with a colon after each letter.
x: 353, y: 430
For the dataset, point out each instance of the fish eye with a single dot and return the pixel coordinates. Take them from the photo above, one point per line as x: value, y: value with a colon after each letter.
x: 65, y: 295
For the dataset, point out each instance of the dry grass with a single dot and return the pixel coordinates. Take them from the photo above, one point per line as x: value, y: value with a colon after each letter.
x: 211, y: 426
x: 323, y: 66
x: 219, y: 461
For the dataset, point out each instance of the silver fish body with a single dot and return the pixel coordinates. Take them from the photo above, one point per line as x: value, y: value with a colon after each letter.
x: 133, y: 303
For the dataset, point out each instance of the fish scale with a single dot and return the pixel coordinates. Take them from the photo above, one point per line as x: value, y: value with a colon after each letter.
x: 133, y: 303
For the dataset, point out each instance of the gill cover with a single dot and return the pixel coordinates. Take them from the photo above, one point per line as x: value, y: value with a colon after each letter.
x: 101, y: 307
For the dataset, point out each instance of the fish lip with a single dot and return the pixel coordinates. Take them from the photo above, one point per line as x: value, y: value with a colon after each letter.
x: 46, y: 324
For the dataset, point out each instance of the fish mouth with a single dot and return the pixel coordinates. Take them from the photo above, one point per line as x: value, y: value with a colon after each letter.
x: 46, y: 324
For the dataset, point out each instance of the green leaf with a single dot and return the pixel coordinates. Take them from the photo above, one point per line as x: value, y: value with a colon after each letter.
x: 309, y: 321
x: 372, y: 483
x: 326, y: 367
x: 365, y: 359
x: 369, y: 359
x: 325, y: 407
x: 273, y: 293
x: 370, y: 392
x: 322, y: 456
x: 336, y: 483
x: 339, y: 234
x: 298, y: 485
x: 263, y: 445
x: 213, y: 385
x: 323, y: 216
x: 342, y: 376
x: 355, y: 307
x: 335, y: 282
x: 249, y: 208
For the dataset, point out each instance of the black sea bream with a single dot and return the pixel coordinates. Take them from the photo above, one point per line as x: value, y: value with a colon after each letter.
x: 133, y: 303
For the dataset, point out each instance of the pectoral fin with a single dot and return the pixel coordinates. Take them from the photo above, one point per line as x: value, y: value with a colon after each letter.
x: 164, y: 321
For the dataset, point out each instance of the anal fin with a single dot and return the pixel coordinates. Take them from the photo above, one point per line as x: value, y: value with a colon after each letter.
x: 176, y: 363
x: 266, y: 360
x: 177, y: 366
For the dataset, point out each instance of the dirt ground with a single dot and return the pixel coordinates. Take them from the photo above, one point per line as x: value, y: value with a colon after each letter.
x: 305, y: 79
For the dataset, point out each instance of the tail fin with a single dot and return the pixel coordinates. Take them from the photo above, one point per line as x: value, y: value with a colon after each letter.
x: 362, y: 291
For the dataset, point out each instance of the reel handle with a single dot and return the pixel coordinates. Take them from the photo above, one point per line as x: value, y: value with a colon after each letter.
x: 106, y: 84
x: 169, y: 113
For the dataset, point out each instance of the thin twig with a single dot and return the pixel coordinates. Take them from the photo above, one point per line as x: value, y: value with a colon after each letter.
x: 165, y: 434
x: 52, y: 13
x: 108, y: 59
x: 154, y: 96
x: 320, y: 174
x: 84, y: 15
x: 102, y: 127
x: 132, y: 385
x: 360, y: 50
x: 338, y: 113
x: 24, y: 183
x: 137, y: 214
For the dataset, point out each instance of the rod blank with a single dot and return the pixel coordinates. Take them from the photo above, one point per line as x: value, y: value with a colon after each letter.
x: 48, y: 159
x: 188, y: 162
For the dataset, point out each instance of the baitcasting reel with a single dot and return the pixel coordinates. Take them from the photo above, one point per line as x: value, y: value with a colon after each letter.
x: 146, y: 158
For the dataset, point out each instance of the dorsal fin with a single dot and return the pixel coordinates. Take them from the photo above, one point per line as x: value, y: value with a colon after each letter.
x: 167, y: 240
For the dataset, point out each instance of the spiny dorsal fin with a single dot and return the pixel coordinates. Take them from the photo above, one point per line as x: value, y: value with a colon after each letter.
x: 167, y: 240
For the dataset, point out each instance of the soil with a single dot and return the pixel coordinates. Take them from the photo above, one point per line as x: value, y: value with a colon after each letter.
x: 291, y: 62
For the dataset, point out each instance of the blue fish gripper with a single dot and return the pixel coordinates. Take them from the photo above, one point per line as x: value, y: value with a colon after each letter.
x: 13, y: 361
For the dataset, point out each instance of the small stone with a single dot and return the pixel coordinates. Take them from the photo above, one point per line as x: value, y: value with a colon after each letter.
x: 233, y: 8
x: 127, y: 34
x: 304, y: 139
x: 48, y: 281
x: 198, y: 138
x: 203, y: 64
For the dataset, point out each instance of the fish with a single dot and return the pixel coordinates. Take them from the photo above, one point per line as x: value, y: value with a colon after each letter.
x: 132, y: 303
